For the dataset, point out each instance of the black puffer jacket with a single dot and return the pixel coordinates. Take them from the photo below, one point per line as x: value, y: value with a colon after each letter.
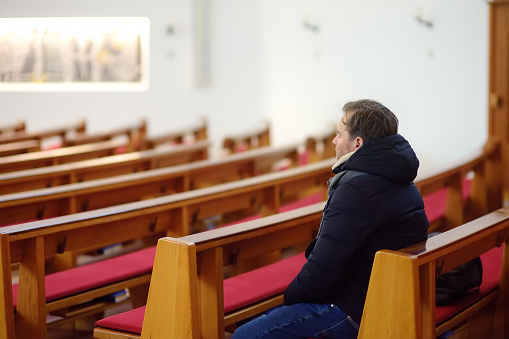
x: 373, y: 205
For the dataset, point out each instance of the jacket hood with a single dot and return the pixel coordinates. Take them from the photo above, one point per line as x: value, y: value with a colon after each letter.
x: 390, y: 157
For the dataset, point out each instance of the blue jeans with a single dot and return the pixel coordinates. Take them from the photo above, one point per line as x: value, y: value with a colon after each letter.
x: 300, y: 321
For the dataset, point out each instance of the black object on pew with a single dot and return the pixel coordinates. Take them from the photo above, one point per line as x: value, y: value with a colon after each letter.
x: 459, y: 281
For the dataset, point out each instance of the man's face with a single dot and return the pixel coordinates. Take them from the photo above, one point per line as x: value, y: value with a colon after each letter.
x: 342, y: 142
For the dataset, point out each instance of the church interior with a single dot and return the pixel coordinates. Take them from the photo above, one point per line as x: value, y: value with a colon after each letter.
x: 164, y: 164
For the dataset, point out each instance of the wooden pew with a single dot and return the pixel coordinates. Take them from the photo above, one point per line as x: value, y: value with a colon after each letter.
x: 94, y: 194
x: 193, y: 274
x: 13, y: 128
x: 466, y: 191
x: 19, y: 147
x: 404, y: 283
x: 28, y: 244
x: 61, y: 132
x: 58, y: 156
x: 256, y: 137
x: 193, y: 132
x: 135, y: 134
x: 188, y: 294
x: 102, y: 168
x: 320, y: 146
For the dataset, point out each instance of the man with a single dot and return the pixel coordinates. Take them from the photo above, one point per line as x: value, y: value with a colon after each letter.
x: 372, y: 205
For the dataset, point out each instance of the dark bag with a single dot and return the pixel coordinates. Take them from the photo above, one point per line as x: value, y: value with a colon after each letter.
x: 458, y: 281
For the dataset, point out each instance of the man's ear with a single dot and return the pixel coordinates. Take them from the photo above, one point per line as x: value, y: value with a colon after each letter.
x: 358, y: 142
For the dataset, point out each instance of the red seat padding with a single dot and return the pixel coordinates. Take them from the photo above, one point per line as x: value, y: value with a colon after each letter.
x: 492, y: 264
x: 83, y: 278
x: 261, y: 283
x: 435, y: 203
x: 130, y: 321
x: 256, y: 283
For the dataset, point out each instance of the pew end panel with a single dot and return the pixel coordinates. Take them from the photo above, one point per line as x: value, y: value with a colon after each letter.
x: 201, y: 313
x: 166, y: 292
x: 405, y: 298
x: 393, y: 290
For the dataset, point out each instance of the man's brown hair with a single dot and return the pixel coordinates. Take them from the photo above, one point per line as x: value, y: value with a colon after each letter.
x: 369, y: 119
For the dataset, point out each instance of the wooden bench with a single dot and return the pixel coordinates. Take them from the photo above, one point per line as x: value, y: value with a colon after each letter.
x: 189, y: 298
x: 453, y: 196
x: 135, y: 135
x: 256, y: 137
x: 61, y: 132
x: 320, y: 146
x: 185, y: 135
x: 94, y: 194
x: 19, y: 147
x: 12, y: 128
x: 102, y: 168
x: 28, y: 244
x: 58, y: 156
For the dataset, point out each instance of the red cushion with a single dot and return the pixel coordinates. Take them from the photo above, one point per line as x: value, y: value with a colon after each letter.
x: 281, y: 273
x: 83, y: 278
x: 492, y: 263
x: 262, y: 283
x: 130, y: 321
x: 435, y: 203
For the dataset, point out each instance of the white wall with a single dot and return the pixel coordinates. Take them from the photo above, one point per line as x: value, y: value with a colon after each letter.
x: 265, y: 63
x: 434, y: 79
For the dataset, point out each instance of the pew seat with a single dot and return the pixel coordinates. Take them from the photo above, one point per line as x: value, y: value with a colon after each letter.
x: 99, y: 274
x: 263, y: 283
x: 119, y: 270
x: 269, y: 281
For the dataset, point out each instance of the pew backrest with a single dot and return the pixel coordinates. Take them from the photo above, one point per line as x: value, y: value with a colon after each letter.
x: 62, y: 132
x: 57, y: 156
x: 135, y: 135
x: 99, y: 193
x: 191, y: 133
x: 256, y: 137
x: 19, y: 147
x: 12, y: 128
x: 102, y: 168
x: 481, y: 173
